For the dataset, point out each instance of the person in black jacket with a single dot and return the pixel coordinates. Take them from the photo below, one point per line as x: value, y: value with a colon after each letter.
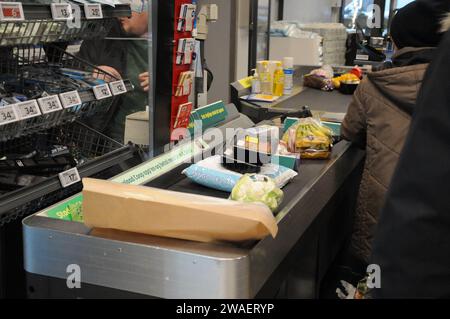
x: 412, y: 241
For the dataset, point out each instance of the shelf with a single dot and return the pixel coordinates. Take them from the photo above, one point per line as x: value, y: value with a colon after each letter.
x: 39, y: 26
x: 101, y: 155
x: 55, y: 86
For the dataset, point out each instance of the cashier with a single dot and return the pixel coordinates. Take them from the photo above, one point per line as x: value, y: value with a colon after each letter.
x: 124, y: 54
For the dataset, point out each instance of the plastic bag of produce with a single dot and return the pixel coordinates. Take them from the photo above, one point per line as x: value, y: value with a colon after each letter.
x: 253, y: 188
x: 309, y: 138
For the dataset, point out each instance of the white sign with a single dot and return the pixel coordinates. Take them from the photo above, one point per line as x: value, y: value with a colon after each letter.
x: 50, y: 104
x: 102, y: 91
x: 28, y: 109
x: 11, y: 11
x: 69, y: 177
x: 70, y: 99
x: 61, y: 11
x: 118, y: 87
x: 363, y: 57
x: 7, y: 115
x: 93, y: 11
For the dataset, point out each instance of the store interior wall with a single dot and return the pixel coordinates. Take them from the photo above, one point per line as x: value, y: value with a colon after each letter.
x: 219, y: 50
x: 307, y: 11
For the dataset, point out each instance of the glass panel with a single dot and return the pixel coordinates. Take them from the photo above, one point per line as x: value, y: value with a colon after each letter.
x: 263, y: 30
x: 356, y: 13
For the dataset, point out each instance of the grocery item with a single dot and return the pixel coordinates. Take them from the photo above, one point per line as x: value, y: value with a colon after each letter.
x: 211, y: 173
x: 288, y: 69
x: 309, y: 138
x: 345, y: 78
x: 252, y: 188
x: 266, y: 79
x: 319, y: 79
x: 256, y: 82
x: 278, y: 80
x: 163, y: 213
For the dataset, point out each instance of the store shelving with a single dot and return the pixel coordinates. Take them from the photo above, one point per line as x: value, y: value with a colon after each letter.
x: 35, y: 23
x: 40, y: 72
x: 46, y: 94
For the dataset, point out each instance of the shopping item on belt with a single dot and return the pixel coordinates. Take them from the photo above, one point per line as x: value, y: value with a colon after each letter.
x: 165, y: 213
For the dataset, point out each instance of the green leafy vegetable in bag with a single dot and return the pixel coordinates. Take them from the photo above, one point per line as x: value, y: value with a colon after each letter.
x: 253, y: 188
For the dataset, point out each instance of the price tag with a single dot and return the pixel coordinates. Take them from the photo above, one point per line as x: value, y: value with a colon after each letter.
x: 49, y: 104
x: 61, y: 11
x: 70, y: 99
x: 28, y: 109
x: 11, y: 11
x: 7, y: 115
x: 118, y: 87
x: 69, y: 177
x: 363, y: 57
x: 93, y: 11
x: 102, y: 91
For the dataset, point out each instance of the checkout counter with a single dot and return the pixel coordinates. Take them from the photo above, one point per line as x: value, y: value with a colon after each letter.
x: 314, y: 223
x: 334, y: 101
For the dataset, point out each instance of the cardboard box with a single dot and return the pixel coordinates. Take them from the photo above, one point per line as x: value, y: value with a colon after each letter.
x: 137, y: 130
x: 304, y: 51
x: 164, y: 213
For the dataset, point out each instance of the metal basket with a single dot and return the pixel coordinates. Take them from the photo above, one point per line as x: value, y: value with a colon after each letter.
x: 86, y: 143
x: 33, y: 70
x: 39, y: 26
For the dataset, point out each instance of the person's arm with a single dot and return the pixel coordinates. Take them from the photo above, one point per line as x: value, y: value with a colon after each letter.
x: 354, y: 126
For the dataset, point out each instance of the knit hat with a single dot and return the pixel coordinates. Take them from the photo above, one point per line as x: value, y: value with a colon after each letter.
x: 416, y: 25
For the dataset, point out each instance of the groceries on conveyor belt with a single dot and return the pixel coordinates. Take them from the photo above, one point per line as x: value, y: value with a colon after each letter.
x: 309, y: 138
x: 164, y: 213
x: 253, y: 188
x: 211, y: 173
x: 325, y: 79
x: 252, y: 159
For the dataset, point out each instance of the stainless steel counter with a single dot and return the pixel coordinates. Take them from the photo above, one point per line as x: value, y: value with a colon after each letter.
x: 314, y: 220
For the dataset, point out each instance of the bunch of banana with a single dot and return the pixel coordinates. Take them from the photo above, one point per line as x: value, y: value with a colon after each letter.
x: 312, y: 140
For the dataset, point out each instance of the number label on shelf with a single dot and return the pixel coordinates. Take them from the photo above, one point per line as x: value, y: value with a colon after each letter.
x: 50, y: 104
x: 102, y: 91
x: 61, y: 11
x: 28, y: 109
x: 7, y: 115
x: 69, y: 177
x: 11, y: 11
x: 70, y: 99
x: 93, y: 11
x: 118, y: 87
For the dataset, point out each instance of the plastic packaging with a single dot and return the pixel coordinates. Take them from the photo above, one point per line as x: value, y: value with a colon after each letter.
x: 210, y: 173
x: 288, y: 69
x: 256, y: 82
x: 309, y: 138
x: 252, y: 188
x: 266, y: 79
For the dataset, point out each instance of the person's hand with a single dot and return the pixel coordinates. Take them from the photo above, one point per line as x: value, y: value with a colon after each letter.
x: 144, y: 78
x: 115, y: 75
